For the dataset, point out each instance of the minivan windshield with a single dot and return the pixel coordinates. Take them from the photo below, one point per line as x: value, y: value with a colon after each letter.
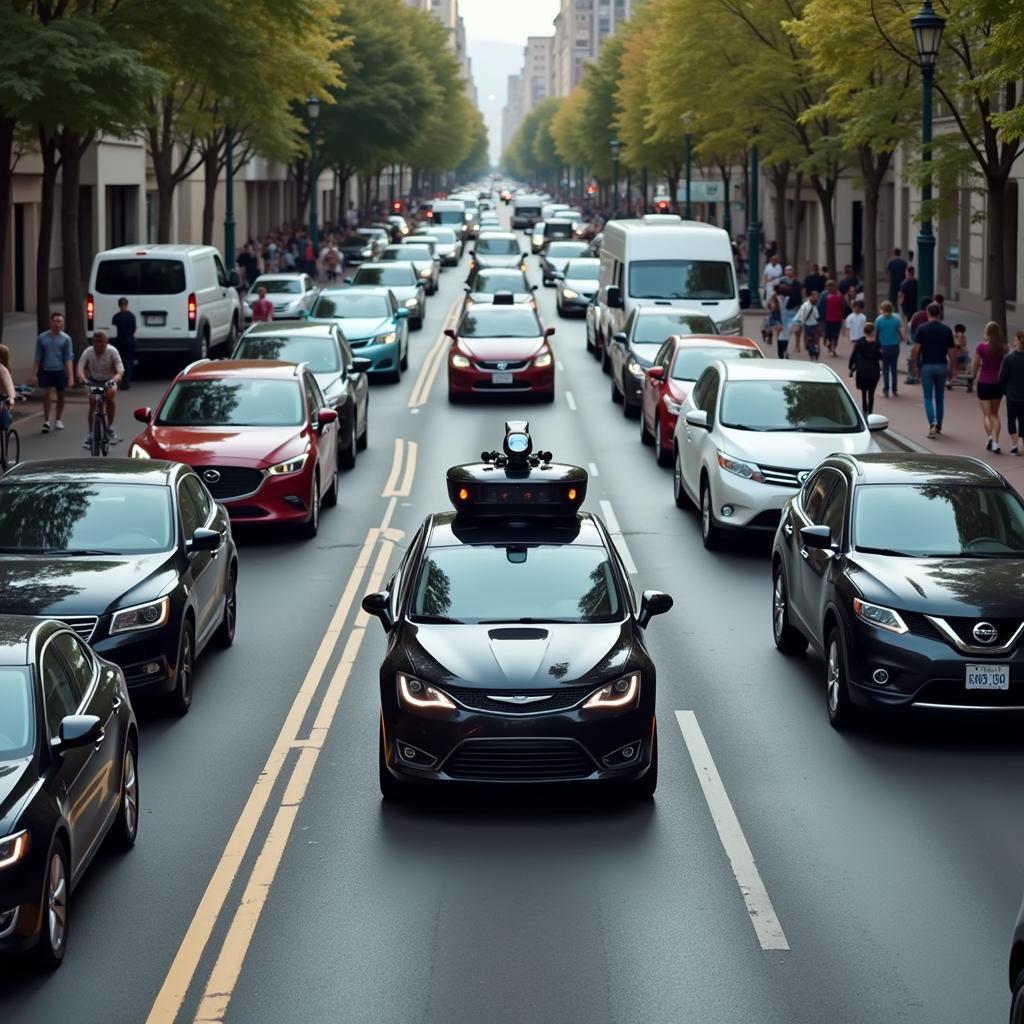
x: 17, y: 715
x: 681, y: 279
x: 232, y: 403
x: 140, y: 276
x: 548, y: 583
x: 795, y: 406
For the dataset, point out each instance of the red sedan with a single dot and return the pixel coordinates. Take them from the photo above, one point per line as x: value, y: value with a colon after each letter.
x: 260, y: 434
x: 500, y: 349
x: 674, y: 370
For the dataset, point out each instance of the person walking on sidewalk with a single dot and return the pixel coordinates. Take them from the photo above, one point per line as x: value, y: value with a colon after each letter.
x: 855, y: 323
x: 866, y: 362
x: 934, y: 354
x: 988, y: 360
x: 834, y: 310
x: 889, y: 330
x: 897, y: 269
x: 790, y: 295
x: 52, y: 369
x: 805, y: 322
x: 7, y: 389
x: 769, y: 277
x: 123, y: 321
x: 1011, y: 379
x: 908, y: 294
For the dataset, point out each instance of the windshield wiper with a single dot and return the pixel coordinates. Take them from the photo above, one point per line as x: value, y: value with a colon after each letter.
x: 885, y: 551
x: 525, y: 620
x: 438, y: 618
x: 79, y: 551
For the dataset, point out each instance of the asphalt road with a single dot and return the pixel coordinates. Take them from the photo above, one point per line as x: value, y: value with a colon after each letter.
x: 269, y: 882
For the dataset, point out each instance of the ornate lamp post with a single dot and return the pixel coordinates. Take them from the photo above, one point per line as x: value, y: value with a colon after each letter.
x: 927, y: 27
x: 688, y: 211
x: 615, y: 146
x: 753, y: 227
x: 312, y: 113
x: 229, y: 196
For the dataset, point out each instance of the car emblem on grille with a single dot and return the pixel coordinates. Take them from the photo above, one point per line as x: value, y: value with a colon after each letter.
x: 502, y: 366
x: 211, y: 476
x: 519, y: 698
x: 801, y: 477
x: 985, y: 633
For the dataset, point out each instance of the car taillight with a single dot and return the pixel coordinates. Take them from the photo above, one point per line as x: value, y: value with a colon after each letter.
x: 193, y: 310
x: 90, y: 312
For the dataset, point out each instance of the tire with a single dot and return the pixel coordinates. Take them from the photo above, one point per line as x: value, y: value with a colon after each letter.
x: 561, y: 314
x: 1017, y: 1002
x: 96, y: 437
x: 311, y: 527
x: 227, y: 346
x: 125, y: 829
x: 347, y: 455
x: 662, y: 456
x: 646, y: 437
x: 331, y: 497
x: 13, y: 448
x: 416, y: 325
x: 390, y: 788
x: 201, y: 346
x: 548, y: 397
x: 710, y: 534
x: 644, y: 787
x: 606, y: 362
x: 403, y: 362
x: 225, y: 635
x: 617, y: 396
x: 56, y: 905
x: 180, y: 700
x: 362, y: 442
x: 590, y: 343
x: 682, y: 499
x: 787, y: 637
x: 842, y: 715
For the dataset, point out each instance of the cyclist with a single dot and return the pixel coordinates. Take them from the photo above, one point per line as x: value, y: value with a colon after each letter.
x: 100, y: 364
x: 6, y: 388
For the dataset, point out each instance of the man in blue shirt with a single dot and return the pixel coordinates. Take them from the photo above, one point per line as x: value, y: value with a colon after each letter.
x: 52, y: 369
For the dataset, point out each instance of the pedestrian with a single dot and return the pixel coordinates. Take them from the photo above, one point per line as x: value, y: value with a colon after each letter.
x: 805, y: 323
x: 897, y: 270
x: 250, y: 266
x: 351, y: 217
x: 769, y: 276
x: 1011, y: 380
x: 790, y: 294
x: 815, y: 279
x: 889, y: 331
x: 988, y: 360
x: 833, y: 309
x: 920, y: 317
x: 963, y: 355
x: 330, y: 259
x: 262, y: 308
x: 6, y: 388
x: 772, y: 322
x: 934, y: 356
x: 854, y: 324
x: 866, y: 363
x: 100, y: 364
x: 124, y: 323
x: 849, y: 280
x: 52, y: 369
x: 908, y: 294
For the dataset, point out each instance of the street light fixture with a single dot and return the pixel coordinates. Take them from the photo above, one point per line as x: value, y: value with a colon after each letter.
x: 615, y: 147
x: 927, y: 26
x: 312, y: 113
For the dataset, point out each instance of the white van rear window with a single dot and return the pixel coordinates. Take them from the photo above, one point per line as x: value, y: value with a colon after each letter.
x: 140, y: 277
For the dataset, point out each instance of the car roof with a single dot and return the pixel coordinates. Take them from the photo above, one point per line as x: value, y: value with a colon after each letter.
x: 922, y: 468
x: 160, y: 249
x: 713, y: 341
x: 281, y: 328
x: 378, y: 265
x: 778, y: 369
x: 499, y: 272
x: 498, y: 234
x: 215, y: 369
x: 149, y: 471
x: 448, y: 530
x: 285, y: 275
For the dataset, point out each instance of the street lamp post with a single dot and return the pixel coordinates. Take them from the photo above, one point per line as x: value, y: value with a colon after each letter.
x: 689, y: 176
x: 615, y: 147
x: 313, y: 112
x: 927, y: 27
x: 753, y: 227
x: 229, y: 196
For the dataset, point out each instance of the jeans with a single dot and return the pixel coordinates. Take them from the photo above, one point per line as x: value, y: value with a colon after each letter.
x: 890, y: 367
x: 933, y: 381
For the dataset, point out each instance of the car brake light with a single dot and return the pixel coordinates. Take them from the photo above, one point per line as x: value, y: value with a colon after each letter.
x: 193, y: 310
x: 90, y: 312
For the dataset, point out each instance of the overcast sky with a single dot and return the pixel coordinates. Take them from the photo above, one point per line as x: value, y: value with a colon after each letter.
x: 509, y: 22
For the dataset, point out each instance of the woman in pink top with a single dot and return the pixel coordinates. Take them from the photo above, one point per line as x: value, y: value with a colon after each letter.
x: 988, y: 357
x: 262, y: 308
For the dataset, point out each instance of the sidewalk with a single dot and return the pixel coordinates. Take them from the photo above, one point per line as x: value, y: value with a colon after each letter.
x: 962, y: 432
x: 19, y: 335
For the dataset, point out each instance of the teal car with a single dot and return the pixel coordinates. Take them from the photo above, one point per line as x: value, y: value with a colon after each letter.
x: 376, y: 326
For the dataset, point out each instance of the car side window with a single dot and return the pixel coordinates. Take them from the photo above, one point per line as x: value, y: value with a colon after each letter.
x: 190, y: 515
x: 709, y: 397
x: 200, y: 498
x: 833, y: 512
x: 314, y: 400
x: 346, y: 352
x: 77, y: 658
x: 60, y: 695
x: 815, y: 491
x: 700, y: 388
x: 222, y: 274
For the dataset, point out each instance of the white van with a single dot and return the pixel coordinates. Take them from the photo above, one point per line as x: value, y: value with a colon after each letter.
x: 662, y: 259
x: 182, y: 297
x: 526, y: 210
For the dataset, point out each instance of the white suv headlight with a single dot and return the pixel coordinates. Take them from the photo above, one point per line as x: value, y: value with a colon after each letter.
x: 747, y: 470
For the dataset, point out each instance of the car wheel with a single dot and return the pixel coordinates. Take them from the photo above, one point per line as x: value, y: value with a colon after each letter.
x: 390, y: 787
x: 590, y: 340
x: 646, y: 437
x: 364, y: 439
x: 682, y: 499
x: 606, y: 363
x: 180, y: 700
x: 616, y: 394
x: 644, y: 787
x: 787, y: 637
x: 311, y: 527
x: 53, y: 935
x: 331, y: 497
x: 1017, y: 1002
x: 709, y: 531
x: 629, y: 409
x: 842, y: 715
x: 662, y: 455
x: 347, y: 455
x: 126, y: 825
x: 201, y: 346
x: 225, y: 635
x: 228, y: 345
x: 415, y: 325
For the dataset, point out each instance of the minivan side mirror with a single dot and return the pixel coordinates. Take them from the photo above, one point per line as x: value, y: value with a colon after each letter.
x: 653, y: 602
x: 876, y: 421
x: 233, y: 279
x: 613, y: 297
x: 696, y: 418
x: 379, y: 605
x: 143, y: 414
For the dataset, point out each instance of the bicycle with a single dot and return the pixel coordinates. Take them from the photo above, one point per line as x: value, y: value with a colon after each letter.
x: 10, y: 443
x: 99, y: 429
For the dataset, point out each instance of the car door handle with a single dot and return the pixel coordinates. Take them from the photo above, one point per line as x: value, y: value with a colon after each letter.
x: 803, y: 553
x: 787, y: 529
x: 99, y: 743
x: 116, y: 703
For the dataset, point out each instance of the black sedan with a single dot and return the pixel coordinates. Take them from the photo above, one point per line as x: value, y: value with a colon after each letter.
x: 904, y: 571
x: 68, y: 777
x: 341, y: 376
x: 133, y: 554
x: 516, y: 648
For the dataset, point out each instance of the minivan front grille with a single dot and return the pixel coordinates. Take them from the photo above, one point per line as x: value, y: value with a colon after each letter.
x: 519, y: 760
x: 491, y: 701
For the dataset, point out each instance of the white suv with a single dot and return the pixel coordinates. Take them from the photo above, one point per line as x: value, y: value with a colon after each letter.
x: 182, y: 297
x: 751, y: 431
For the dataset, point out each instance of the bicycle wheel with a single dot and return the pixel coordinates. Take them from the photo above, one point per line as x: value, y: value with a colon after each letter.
x: 105, y: 444
x: 96, y: 437
x: 12, y: 449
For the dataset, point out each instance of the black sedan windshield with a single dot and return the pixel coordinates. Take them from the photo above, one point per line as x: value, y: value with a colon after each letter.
x: 232, y: 403
x: 809, y: 407
x: 278, y: 286
x: 16, y: 714
x: 549, y: 583
x: 654, y: 329
x: 400, y: 274
x: 321, y: 354
x: 58, y: 516
x: 939, y: 520
x: 484, y: 322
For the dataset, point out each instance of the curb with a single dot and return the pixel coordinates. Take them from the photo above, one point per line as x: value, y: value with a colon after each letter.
x: 901, y: 443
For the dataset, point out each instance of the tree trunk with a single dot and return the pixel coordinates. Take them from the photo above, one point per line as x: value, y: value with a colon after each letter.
x: 778, y: 175
x: 6, y: 179
x: 793, y: 246
x: 672, y: 174
x: 873, y: 168
x: 825, y: 189
x: 72, y: 147
x: 47, y: 193
x: 211, y: 170
x: 997, y: 241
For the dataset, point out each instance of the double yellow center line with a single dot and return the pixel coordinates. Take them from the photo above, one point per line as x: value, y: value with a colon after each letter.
x: 435, y: 357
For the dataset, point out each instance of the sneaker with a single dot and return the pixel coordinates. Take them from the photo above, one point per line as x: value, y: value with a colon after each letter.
x: 59, y: 424
x: 932, y: 432
x: 87, y: 443
x: 938, y: 428
x: 885, y: 394
x: 47, y: 426
x: 988, y: 445
x: 996, y: 450
x: 1014, y: 450
x: 114, y: 437
x: 894, y: 392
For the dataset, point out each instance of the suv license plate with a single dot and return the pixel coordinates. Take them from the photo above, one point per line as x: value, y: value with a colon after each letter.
x: 988, y: 677
x: 502, y: 378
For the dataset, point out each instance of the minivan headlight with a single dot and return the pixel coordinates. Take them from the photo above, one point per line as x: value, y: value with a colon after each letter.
x: 414, y: 693
x: 623, y: 693
x: 142, y: 616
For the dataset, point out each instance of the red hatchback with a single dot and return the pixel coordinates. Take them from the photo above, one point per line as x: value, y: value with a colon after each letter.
x: 673, y: 371
x: 501, y: 349
x: 260, y: 434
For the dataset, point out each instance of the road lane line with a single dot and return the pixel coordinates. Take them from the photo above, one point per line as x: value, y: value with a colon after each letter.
x: 404, y: 457
x: 396, y: 468
x: 592, y: 466
x: 612, y: 522
x: 559, y: 366
x: 228, y: 968
x: 410, y: 471
x: 428, y: 371
x: 759, y: 906
x: 571, y: 401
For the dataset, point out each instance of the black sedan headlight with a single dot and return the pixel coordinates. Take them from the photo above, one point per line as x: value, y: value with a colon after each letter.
x: 13, y: 848
x: 141, y: 616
